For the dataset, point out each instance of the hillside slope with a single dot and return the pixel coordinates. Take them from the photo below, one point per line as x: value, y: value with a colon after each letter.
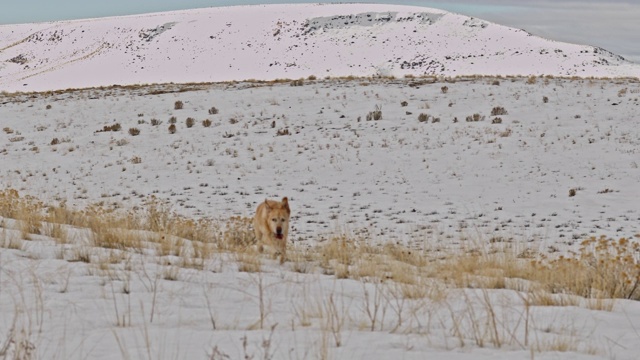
x: 282, y: 41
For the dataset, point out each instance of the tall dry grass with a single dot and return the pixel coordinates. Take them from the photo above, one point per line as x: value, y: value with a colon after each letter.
x: 602, y: 268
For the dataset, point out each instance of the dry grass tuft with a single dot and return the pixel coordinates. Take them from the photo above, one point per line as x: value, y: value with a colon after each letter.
x: 27, y: 210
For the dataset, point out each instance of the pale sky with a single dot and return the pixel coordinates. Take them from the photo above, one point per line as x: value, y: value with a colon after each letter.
x: 612, y: 24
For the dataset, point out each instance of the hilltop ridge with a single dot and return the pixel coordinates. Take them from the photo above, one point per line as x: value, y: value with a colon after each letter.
x: 267, y: 42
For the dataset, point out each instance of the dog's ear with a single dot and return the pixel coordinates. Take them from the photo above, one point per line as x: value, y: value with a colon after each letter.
x: 266, y: 203
x: 285, y: 204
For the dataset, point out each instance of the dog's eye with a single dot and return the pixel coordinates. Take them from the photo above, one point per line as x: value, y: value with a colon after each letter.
x: 274, y: 220
x: 282, y: 219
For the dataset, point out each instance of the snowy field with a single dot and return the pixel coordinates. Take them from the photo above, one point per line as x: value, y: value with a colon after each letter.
x: 429, y: 184
x: 556, y: 163
x: 436, y: 213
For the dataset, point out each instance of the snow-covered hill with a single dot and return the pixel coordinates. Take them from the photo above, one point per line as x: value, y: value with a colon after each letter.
x: 282, y: 41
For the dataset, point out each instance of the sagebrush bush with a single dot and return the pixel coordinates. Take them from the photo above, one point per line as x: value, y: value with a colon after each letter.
x: 498, y: 110
x: 376, y: 114
x: 173, y: 120
x: 213, y: 110
x: 172, y: 129
x: 474, y: 118
x: 134, y: 131
x: 114, y: 127
x: 178, y: 105
x: 190, y: 122
x: 155, y: 122
x: 206, y: 123
x: 423, y: 117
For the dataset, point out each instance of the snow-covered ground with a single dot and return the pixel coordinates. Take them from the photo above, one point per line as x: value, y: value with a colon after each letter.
x: 128, y: 306
x: 454, y: 165
x: 282, y: 41
x: 429, y: 184
x: 432, y: 185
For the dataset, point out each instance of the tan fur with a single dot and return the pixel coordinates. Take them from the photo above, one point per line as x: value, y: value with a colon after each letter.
x: 271, y: 225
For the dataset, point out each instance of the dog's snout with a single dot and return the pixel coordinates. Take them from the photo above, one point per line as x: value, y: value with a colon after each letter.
x: 279, y: 231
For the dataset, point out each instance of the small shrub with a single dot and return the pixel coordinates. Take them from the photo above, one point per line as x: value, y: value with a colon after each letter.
x: 545, y: 99
x: 283, y: 132
x: 134, y: 131
x: 172, y: 129
x: 435, y: 120
x: 206, y: 123
x: 49, y: 107
x: 404, y: 103
x: 444, y: 89
x: 423, y: 117
x: 572, y: 192
x: 311, y: 77
x: 495, y: 83
x: 532, y: 80
x: 173, y: 120
x: 376, y: 114
x: 190, y: 122
x: 213, y: 110
x: 55, y: 141
x: 474, y: 118
x: 136, y: 160
x: 178, y: 105
x: 8, y: 130
x: 155, y: 122
x: 496, y: 121
x: 498, y: 110
x: 114, y: 127
x: 298, y: 82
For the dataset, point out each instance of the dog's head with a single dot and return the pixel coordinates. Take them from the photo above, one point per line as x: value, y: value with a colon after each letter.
x: 278, y: 218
